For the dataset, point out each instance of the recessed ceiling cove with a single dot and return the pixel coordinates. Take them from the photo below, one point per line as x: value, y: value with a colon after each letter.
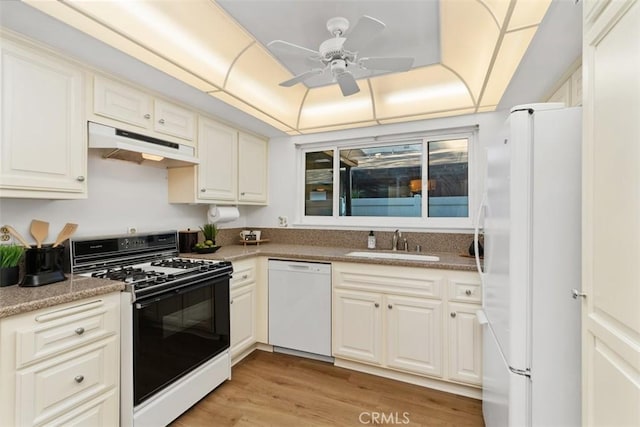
x: 464, y: 53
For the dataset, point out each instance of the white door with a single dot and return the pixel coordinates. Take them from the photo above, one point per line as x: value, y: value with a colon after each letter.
x: 252, y: 170
x: 357, y: 325
x: 243, y: 320
x: 465, y: 343
x: 414, y: 339
x: 41, y: 123
x: 173, y: 120
x: 218, y: 168
x: 611, y: 214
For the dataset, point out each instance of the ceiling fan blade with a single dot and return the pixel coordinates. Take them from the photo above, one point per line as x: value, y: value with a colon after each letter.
x: 347, y: 83
x: 286, y: 48
x: 387, y: 64
x: 302, y: 77
x: 363, y: 33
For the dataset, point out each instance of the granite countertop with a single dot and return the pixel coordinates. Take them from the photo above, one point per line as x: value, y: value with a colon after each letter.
x: 16, y: 299
x: 448, y: 261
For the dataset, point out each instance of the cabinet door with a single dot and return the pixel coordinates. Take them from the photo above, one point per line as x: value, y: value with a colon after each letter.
x: 173, y: 120
x: 218, y: 153
x: 120, y: 102
x: 252, y: 177
x: 357, y: 326
x: 42, y: 125
x: 465, y: 344
x: 414, y: 340
x: 243, y: 320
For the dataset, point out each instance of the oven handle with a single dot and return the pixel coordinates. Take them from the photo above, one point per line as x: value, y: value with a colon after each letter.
x: 150, y: 300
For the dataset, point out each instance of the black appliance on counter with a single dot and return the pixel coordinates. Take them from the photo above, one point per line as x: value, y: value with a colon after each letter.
x: 175, y: 327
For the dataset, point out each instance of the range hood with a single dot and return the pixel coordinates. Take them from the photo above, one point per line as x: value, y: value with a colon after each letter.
x: 134, y: 147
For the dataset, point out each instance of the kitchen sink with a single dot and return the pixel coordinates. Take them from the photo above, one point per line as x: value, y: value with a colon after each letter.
x: 394, y: 255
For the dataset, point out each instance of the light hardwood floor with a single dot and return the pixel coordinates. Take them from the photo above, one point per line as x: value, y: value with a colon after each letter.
x: 273, y: 389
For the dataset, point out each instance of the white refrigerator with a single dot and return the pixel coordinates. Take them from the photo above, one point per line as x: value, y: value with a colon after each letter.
x: 532, y: 226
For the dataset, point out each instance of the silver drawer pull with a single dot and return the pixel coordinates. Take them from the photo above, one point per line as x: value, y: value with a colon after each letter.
x: 376, y: 305
x: 468, y: 292
x: 231, y: 302
x: 147, y: 116
x: 161, y: 121
x: 390, y: 306
x: 79, y: 379
x: 80, y: 331
x: 453, y: 314
x: 245, y: 276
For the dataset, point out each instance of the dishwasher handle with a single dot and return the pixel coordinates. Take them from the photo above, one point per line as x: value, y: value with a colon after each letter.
x: 299, y: 267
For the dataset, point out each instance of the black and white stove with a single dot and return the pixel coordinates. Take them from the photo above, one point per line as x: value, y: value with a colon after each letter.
x: 175, y: 321
x: 147, y: 264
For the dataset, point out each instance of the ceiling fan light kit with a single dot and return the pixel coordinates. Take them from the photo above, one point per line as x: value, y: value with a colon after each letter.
x: 338, y: 54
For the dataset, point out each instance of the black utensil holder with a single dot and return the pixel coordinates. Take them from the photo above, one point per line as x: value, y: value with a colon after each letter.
x: 43, y: 266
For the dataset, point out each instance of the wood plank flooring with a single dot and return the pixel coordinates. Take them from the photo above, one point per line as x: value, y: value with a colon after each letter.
x: 274, y: 389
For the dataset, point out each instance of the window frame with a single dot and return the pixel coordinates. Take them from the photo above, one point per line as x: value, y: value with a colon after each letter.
x: 367, y: 222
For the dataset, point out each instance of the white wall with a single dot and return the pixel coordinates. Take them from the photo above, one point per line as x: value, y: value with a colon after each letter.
x: 283, y: 168
x: 121, y: 194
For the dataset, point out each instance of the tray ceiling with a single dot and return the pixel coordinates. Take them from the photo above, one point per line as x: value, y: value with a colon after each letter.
x: 466, y: 53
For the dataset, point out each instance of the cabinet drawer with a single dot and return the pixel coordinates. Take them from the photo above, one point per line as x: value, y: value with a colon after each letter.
x: 56, y: 331
x: 465, y: 289
x: 243, y: 273
x: 52, y: 388
x: 101, y: 411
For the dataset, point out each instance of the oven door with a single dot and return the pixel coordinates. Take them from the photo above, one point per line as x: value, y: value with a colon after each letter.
x: 177, y: 331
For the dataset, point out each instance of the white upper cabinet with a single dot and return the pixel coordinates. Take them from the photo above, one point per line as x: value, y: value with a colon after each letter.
x: 117, y: 101
x: 252, y: 177
x: 44, y: 148
x: 232, y: 169
x: 173, y: 120
x: 126, y: 104
x: 218, y: 153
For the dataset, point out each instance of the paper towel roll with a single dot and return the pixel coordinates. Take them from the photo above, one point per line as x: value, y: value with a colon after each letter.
x: 218, y: 214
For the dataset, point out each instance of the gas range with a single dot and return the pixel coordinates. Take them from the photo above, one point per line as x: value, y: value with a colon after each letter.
x: 147, y: 264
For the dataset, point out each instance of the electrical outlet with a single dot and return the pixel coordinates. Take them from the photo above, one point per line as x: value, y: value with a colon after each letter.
x: 131, y: 230
x: 4, y: 234
x: 283, y: 221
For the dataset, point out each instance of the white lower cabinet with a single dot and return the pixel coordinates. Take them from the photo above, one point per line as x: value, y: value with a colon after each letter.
x: 357, y: 325
x: 411, y: 320
x: 243, y: 320
x: 414, y: 339
x: 465, y: 344
x: 247, y: 307
x: 61, y: 365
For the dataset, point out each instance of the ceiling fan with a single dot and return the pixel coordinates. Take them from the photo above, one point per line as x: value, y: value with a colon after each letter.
x: 339, y: 54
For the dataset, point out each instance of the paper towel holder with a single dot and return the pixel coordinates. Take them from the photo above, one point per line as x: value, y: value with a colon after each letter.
x: 219, y: 214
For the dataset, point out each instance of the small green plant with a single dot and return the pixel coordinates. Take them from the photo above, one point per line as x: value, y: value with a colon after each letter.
x: 210, y: 231
x: 10, y: 255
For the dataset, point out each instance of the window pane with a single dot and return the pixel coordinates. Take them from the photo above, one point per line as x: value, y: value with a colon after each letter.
x: 381, y: 181
x: 318, y: 190
x: 449, y: 178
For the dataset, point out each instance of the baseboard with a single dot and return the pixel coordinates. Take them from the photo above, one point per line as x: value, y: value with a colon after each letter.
x: 257, y: 346
x: 459, y: 389
x: 299, y: 353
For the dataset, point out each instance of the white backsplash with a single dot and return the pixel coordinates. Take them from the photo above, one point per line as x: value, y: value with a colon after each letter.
x: 121, y: 195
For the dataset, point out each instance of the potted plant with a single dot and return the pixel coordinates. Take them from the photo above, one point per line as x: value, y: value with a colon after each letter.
x: 10, y: 256
x: 210, y: 231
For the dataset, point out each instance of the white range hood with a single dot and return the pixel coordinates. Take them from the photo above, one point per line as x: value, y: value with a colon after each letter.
x: 124, y: 145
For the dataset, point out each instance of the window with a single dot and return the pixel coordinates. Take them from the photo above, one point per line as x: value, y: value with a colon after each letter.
x: 419, y: 181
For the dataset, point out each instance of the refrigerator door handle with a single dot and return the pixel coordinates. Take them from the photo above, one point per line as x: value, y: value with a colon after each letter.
x: 523, y: 372
x: 476, y: 232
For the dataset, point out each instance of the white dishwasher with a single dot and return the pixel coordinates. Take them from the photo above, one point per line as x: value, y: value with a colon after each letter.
x: 300, y: 306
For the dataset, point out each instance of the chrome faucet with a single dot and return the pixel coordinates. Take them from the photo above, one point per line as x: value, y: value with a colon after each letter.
x: 395, y: 241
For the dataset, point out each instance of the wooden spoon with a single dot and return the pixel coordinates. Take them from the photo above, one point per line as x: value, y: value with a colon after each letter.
x: 18, y: 236
x: 65, y: 233
x: 39, y: 231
